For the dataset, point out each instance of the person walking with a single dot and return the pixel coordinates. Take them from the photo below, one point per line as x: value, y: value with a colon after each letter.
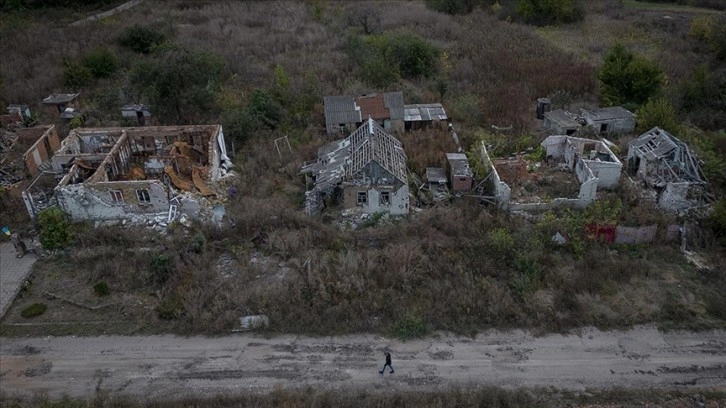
x: 388, y: 363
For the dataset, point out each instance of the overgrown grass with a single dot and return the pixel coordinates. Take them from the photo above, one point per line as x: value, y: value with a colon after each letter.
x: 490, y: 397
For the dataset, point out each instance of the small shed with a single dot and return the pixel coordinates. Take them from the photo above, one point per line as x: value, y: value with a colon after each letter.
x: 614, y: 119
x: 61, y: 101
x: 561, y: 122
x: 420, y: 115
x: 344, y: 114
x: 462, y: 176
x: 138, y: 111
x: 21, y: 110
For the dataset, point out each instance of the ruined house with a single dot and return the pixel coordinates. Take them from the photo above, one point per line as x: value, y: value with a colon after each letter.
x: 561, y: 122
x: 613, y: 120
x: 343, y: 114
x: 668, y: 166
x: 28, y: 154
x: 610, y: 120
x: 367, y: 170
x: 116, y: 173
x: 573, y: 171
x: 139, y: 112
x: 60, y: 102
x: 419, y: 116
x: 462, y: 176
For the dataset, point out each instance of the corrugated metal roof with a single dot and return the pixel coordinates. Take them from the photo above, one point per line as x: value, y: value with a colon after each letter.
x: 424, y: 112
x: 394, y: 103
x: 341, y: 109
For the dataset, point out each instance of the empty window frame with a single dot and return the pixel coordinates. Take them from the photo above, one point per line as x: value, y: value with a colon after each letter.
x: 362, y: 197
x: 385, y: 198
x: 143, y: 196
x: 117, y: 197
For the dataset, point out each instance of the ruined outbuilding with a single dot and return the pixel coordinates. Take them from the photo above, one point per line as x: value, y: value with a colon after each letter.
x: 419, y: 116
x: 462, y: 176
x: 343, y: 114
x: 610, y: 120
x: 60, y: 102
x: 118, y: 173
x: 366, y: 171
x: 668, y: 166
x: 28, y: 153
x: 570, y: 176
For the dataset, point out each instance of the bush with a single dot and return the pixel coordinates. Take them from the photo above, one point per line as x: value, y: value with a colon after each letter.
x: 36, y: 309
x: 101, y: 63
x: 658, y: 112
x: 75, y: 76
x: 452, y: 6
x: 55, y: 230
x: 101, y: 289
x: 717, y: 220
x: 141, y: 39
x: 628, y: 79
x: 170, y: 308
x: 160, y: 268
x: 410, y: 326
x: 549, y: 12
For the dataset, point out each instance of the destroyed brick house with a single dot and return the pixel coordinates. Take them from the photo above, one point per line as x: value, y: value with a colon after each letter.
x: 367, y: 170
x: 343, y: 114
x: 118, y: 173
x: 610, y: 120
x: 24, y: 152
x: 668, y: 166
x: 573, y: 171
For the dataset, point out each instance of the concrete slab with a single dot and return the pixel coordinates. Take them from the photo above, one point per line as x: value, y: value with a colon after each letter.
x: 13, y: 271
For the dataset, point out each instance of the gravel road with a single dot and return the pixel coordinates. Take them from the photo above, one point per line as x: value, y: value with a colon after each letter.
x: 161, y: 366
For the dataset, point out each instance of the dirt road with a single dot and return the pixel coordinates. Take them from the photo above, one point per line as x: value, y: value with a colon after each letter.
x: 159, y: 366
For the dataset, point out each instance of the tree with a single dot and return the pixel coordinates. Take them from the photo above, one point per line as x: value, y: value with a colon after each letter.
x: 180, y: 84
x: 141, y: 39
x: 658, y: 112
x: 547, y: 12
x: 628, y: 79
x: 55, y: 230
x: 101, y: 63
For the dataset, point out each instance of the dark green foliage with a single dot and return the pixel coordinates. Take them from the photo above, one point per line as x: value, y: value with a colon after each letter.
x: 658, y: 112
x: 549, y: 12
x: 628, y: 79
x: 170, y: 308
x: 198, y: 243
x: 141, y: 39
x: 160, y: 268
x: 452, y: 6
x: 101, y: 63
x: 264, y: 110
x: 702, y: 97
x: 75, y: 76
x: 55, y: 230
x: 385, y: 58
x: 410, y: 326
x: 179, y: 83
x: 36, y: 309
x: 101, y: 289
x: 717, y: 220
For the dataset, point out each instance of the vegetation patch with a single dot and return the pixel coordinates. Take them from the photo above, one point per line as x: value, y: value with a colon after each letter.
x: 36, y: 309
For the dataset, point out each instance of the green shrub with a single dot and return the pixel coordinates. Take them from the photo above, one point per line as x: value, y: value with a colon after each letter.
x: 628, y: 79
x: 452, y: 6
x: 170, y: 308
x: 658, y: 112
x: 717, y: 220
x: 75, y: 76
x: 500, y: 243
x: 141, y: 39
x: 410, y: 326
x: 101, y: 289
x: 36, y: 309
x: 160, y: 268
x: 101, y: 63
x: 198, y: 243
x: 55, y: 230
x: 549, y: 12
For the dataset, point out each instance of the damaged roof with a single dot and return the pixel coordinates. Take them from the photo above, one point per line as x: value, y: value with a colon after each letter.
x: 563, y: 118
x: 609, y: 113
x: 670, y: 160
x: 424, y: 112
x: 352, y: 109
x: 459, y: 165
x: 342, y: 159
x: 56, y: 99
